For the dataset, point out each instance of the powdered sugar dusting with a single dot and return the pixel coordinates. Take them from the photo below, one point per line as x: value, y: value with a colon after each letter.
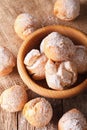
x: 25, y: 20
x: 60, y: 76
x: 80, y: 58
x: 67, y: 9
x: 38, y: 67
x: 13, y: 99
x: 74, y: 120
x: 38, y: 112
x: 9, y: 60
x: 72, y: 8
x: 62, y: 46
x: 28, y: 31
x: 31, y: 57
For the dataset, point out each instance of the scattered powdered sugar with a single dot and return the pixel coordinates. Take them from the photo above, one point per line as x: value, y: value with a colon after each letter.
x: 49, y: 20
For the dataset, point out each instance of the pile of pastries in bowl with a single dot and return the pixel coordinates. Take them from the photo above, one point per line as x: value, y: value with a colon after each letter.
x: 59, y: 61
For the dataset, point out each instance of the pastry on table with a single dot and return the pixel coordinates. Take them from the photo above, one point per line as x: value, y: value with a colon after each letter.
x: 38, y: 112
x: 24, y: 25
x: 7, y: 61
x: 67, y: 10
x: 72, y: 120
x: 13, y: 99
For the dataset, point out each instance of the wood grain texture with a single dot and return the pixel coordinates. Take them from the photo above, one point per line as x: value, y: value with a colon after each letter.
x: 8, y: 121
x: 43, y: 11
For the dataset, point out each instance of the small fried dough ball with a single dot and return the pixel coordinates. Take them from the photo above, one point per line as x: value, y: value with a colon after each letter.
x: 57, y: 47
x: 60, y: 76
x: 38, y: 112
x: 35, y: 64
x: 67, y: 10
x: 80, y: 59
x: 13, y: 99
x: 24, y: 25
x: 72, y: 120
x: 7, y: 61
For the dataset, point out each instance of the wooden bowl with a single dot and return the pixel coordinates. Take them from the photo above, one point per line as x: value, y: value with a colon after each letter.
x: 33, y: 41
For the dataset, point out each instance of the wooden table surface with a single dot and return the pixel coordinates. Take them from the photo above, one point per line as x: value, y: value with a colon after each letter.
x: 43, y: 11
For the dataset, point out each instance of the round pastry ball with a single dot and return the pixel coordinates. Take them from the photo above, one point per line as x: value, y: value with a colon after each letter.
x: 24, y: 25
x: 13, y: 99
x: 38, y: 112
x: 35, y: 64
x: 57, y: 47
x: 72, y: 120
x: 80, y: 59
x: 7, y: 61
x: 60, y: 76
x: 67, y: 9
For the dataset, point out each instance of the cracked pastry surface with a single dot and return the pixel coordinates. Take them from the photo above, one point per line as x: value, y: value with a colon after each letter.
x: 72, y: 120
x: 80, y: 59
x: 13, y: 99
x: 60, y: 76
x: 57, y: 47
x: 38, y: 112
x: 7, y: 61
x: 24, y: 25
x: 35, y: 64
x: 67, y: 9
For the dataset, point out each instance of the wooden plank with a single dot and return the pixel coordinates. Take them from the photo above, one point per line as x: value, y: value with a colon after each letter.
x: 8, y: 121
x: 79, y: 102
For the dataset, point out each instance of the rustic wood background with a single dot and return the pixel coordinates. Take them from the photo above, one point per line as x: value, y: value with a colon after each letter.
x: 43, y: 11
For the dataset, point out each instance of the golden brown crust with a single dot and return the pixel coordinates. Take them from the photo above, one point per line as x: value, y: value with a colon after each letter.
x: 13, y: 99
x: 58, y: 47
x: 24, y: 25
x: 7, y: 61
x: 60, y: 76
x: 38, y: 112
x: 67, y: 10
x: 35, y: 64
x: 72, y: 120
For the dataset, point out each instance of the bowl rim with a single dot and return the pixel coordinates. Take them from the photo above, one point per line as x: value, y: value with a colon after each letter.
x: 38, y: 88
